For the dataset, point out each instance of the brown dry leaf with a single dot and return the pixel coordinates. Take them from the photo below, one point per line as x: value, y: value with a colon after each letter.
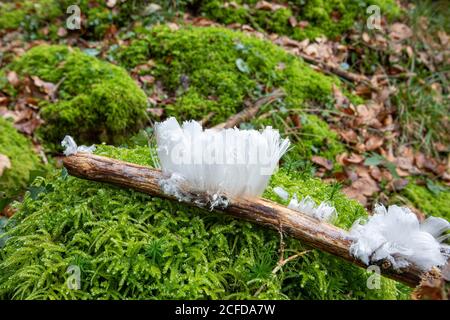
x: 373, y: 143
x: 265, y: 5
x: 400, y: 31
x: 354, y: 158
x: 303, y: 24
x: 362, y: 172
x: 349, y: 136
x: 366, y: 37
x: 5, y: 163
x: 443, y: 38
x: 375, y: 173
x: 292, y: 21
x: 157, y: 112
x: 340, y: 158
x: 28, y: 127
x: 48, y: 87
x: 340, y: 99
x: 366, y: 185
x: 111, y: 3
x: 404, y: 163
x: 398, y: 184
x: 365, y: 114
x: 147, y: 79
x: 355, y: 194
x: 62, y: 32
x: 13, y: 79
x: 420, y: 160
x: 321, y: 161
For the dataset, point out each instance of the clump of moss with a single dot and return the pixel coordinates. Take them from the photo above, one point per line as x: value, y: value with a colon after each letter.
x: 42, y: 18
x: 129, y: 245
x: 431, y: 203
x: 331, y: 18
x: 97, y: 101
x: 30, y: 14
x: 217, y: 70
x: 23, y: 160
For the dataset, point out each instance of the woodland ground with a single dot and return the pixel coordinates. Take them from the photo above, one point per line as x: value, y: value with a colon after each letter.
x: 367, y: 112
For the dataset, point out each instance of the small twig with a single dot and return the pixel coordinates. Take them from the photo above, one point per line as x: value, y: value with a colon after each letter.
x: 280, y: 265
x: 55, y: 89
x: 327, y: 68
x: 207, y: 118
x: 250, y: 112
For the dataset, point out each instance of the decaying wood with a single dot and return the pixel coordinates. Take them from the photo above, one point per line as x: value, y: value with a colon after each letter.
x: 310, y: 231
x: 250, y: 111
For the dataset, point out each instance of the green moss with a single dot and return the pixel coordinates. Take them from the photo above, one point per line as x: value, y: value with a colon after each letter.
x: 435, y: 204
x: 10, y: 18
x: 331, y: 18
x: 317, y: 139
x: 30, y: 14
x: 215, y: 69
x: 23, y: 160
x: 97, y: 100
x: 130, y: 245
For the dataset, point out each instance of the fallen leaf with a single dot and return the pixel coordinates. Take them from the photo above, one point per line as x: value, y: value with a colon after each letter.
x: 62, y: 32
x: 340, y: 99
x: 375, y: 173
x: 5, y: 163
x: 400, y: 31
x: 28, y: 127
x: 398, y: 184
x: 354, y: 158
x: 13, y: 79
x: 355, y: 194
x: 373, y: 143
x: 367, y: 186
x: 157, y: 112
x: 147, y: 79
x: 111, y: 3
x: 292, y: 21
x: 265, y: 5
x: 48, y: 87
x: 321, y: 161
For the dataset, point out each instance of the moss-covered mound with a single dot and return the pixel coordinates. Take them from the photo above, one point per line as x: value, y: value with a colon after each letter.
x: 23, y: 160
x: 299, y: 19
x: 130, y: 245
x: 215, y: 69
x: 97, y: 101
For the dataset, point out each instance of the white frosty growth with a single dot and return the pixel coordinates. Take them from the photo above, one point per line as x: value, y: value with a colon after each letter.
x: 70, y: 147
x: 323, y: 212
x: 397, y: 235
x: 232, y: 161
x: 283, y: 194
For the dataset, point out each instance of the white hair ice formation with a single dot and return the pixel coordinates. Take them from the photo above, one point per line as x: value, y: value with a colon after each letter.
x: 238, y: 163
x: 397, y: 235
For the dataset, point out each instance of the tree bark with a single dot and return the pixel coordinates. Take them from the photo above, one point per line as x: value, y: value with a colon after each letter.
x: 310, y: 231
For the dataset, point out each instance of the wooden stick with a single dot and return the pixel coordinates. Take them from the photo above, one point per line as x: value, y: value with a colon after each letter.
x: 310, y: 231
x: 250, y: 112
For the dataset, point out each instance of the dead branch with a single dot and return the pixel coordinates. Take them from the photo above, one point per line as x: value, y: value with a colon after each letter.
x: 250, y: 112
x: 310, y: 231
